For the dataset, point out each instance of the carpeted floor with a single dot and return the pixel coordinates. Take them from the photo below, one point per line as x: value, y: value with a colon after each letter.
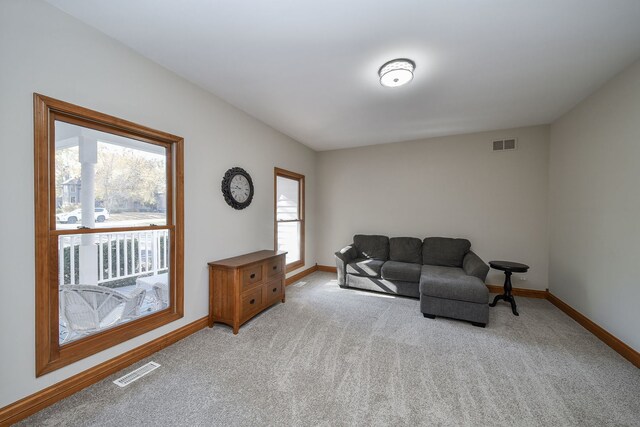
x: 334, y: 357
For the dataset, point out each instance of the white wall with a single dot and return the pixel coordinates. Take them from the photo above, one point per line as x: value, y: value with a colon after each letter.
x: 452, y: 186
x: 44, y: 50
x: 594, y: 205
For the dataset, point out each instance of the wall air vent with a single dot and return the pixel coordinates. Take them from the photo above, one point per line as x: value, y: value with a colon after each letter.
x: 136, y: 374
x: 505, y: 144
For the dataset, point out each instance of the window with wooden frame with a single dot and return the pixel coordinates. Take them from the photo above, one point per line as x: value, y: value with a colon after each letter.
x: 289, y: 216
x: 108, y: 231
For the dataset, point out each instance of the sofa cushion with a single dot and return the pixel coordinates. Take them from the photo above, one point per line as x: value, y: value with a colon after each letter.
x: 405, y: 271
x: 444, y: 251
x: 365, y: 267
x: 405, y: 249
x: 397, y: 287
x: 371, y: 246
x: 452, y: 283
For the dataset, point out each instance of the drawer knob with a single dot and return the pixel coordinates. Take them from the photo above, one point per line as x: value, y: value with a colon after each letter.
x: 275, y: 267
x: 253, y: 275
x: 275, y: 289
x: 253, y: 301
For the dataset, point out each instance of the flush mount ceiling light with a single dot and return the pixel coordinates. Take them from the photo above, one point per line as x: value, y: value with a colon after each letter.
x: 396, y: 72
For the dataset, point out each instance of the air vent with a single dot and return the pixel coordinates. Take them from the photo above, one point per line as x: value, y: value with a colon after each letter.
x: 136, y: 374
x: 505, y: 144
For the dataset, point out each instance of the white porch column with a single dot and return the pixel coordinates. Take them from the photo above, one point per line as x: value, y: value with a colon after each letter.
x: 88, y: 249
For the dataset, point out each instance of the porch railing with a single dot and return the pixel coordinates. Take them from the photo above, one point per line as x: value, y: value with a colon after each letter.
x: 121, y: 255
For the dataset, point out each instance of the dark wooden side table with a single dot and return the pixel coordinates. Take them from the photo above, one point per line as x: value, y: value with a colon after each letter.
x: 509, y: 268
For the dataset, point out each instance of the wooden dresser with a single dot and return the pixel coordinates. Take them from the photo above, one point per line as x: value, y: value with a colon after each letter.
x: 243, y: 286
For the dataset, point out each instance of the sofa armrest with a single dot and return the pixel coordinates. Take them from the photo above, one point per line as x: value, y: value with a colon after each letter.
x: 343, y: 257
x: 347, y: 254
x: 474, y: 266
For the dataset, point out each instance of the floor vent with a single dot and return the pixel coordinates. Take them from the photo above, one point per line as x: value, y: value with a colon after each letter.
x: 505, y: 144
x: 136, y: 374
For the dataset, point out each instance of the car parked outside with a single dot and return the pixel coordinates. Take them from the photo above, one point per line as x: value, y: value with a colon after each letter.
x: 101, y: 215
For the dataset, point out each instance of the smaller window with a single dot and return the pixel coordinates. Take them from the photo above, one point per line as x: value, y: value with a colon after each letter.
x: 289, y: 216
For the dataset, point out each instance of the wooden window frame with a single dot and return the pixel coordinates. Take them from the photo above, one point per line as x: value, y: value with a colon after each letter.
x: 50, y: 355
x: 301, y: 212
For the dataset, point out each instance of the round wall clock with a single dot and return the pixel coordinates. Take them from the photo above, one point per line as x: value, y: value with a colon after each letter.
x: 237, y: 188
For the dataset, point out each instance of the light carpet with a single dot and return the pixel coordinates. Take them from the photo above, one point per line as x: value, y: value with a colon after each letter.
x: 333, y: 357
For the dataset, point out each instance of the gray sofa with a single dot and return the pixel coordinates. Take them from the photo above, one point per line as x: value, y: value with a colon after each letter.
x: 444, y: 273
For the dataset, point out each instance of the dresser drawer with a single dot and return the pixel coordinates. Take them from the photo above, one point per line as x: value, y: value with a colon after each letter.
x: 273, y: 290
x: 251, y: 275
x: 274, y: 267
x: 251, y: 303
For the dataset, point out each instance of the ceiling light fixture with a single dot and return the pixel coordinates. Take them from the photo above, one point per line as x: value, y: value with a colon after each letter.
x: 396, y: 72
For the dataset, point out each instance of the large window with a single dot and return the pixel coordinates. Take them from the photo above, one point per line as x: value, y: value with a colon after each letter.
x: 109, y: 231
x: 289, y: 216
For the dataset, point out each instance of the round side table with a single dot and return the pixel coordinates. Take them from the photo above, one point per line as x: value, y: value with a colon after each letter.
x: 509, y: 268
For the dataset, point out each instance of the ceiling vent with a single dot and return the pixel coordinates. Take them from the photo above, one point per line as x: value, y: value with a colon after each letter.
x: 505, y: 144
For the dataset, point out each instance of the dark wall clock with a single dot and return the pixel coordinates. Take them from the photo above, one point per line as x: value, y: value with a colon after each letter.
x: 237, y: 188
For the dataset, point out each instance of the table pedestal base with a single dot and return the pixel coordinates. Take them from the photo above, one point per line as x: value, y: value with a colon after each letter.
x: 507, y: 297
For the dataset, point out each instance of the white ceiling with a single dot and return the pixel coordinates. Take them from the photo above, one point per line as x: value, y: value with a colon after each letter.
x: 309, y: 68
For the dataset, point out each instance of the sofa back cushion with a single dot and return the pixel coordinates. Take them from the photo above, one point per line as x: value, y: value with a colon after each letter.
x: 405, y: 249
x: 372, y: 246
x: 444, y: 251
